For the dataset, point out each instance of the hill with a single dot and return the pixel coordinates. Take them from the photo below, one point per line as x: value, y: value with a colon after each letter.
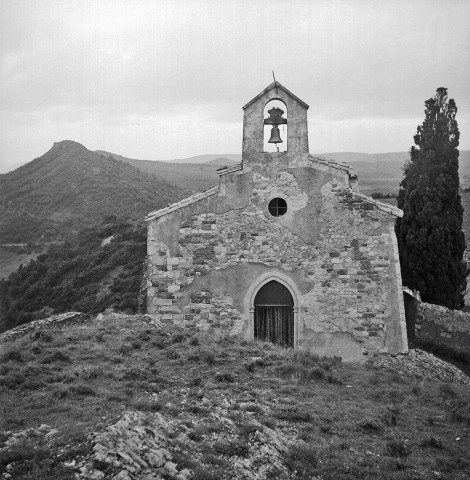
x: 378, y: 172
x: 208, y: 158
x: 383, y: 172
x: 221, y: 162
x: 122, y: 396
x: 101, y: 267
x: 196, y: 177
x: 367, y: 157
x: 70, y: 187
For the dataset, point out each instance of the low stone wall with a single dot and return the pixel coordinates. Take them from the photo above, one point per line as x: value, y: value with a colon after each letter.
x: 442, y: 328
x: 56, y: 321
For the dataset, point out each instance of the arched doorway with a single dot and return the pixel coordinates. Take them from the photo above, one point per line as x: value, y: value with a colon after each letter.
x: 274, y: 314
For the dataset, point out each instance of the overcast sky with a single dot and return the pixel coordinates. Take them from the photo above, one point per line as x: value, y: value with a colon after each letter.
x: 163, y: 80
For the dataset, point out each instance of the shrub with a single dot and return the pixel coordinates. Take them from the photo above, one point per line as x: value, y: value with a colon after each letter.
x: 42, y: 336
x: 224, y: 377
x: 390, y: 417
x: 301, y: 460
x: 57, y: 356
x: 447, y: 390
x: 253, y: 407
x: 12, y: 380
x: 432, y: 442
x: 179, y: 337
x: 12, y: 356
x: 81, y: 389
x: 60, y: 394
x: 397, y: 449
x: 293, y: 414
x: 148, y: 405
x: 172, y: 354
x: 370, y: 426
x: 235, y: 448
x: 90, y: 373
x: 196, y: 382
x: 31, y: 384
x: 201, y: 473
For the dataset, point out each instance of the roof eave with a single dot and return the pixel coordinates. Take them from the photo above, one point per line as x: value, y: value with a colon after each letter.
x: 276, y: 84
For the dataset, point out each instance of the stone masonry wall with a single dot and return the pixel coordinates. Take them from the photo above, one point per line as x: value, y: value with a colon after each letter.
x: 350, y: 274
x: 441, y: 327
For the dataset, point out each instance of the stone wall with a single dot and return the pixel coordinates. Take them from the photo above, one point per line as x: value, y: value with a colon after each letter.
x: 55, y: 322
x: 335, y: 251
x: 441, y: 328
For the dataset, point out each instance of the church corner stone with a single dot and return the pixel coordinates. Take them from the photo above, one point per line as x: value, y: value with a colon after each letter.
x: 331, y: 249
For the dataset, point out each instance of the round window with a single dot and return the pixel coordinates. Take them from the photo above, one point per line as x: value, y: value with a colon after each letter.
x: 277, y: 207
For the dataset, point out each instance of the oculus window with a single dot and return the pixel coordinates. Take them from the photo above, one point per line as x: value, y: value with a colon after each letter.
x: 277, y: 207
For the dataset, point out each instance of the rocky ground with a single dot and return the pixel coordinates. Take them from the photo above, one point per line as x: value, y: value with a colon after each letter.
x: 422, y: 364
x: 221, y: 422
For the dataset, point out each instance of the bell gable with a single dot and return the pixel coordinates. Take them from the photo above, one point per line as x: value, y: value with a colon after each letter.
x: 254, y: 122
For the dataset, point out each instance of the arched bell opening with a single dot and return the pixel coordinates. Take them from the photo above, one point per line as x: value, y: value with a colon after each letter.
x: 275, y: 126
x: 274, y: 314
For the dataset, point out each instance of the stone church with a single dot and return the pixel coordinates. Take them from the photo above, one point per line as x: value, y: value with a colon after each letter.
x: 285, y: 249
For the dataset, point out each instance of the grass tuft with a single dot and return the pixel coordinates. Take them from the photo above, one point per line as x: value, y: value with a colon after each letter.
x: 397, y: 449
x: 13, y: 356
x: 301, y: 460
x: 57, y: 356
x: 432, y: 442
x: 224, y: 377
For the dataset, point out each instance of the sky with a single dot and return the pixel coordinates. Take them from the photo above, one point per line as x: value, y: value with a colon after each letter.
x: 161, y: 80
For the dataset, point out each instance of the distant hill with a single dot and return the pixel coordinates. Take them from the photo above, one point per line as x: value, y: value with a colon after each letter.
x: 70, y: 187
x: 383, y: 172
x: 235, y: 158
x: 195, y: 177
x: 221, y: 162
x: 366, y: 157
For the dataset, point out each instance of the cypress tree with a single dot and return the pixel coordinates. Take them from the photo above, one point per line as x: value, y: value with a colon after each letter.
x: 430, y: 238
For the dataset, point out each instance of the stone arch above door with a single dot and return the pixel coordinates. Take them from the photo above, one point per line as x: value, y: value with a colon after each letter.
x: 285, y: 281
x: 274, y: 314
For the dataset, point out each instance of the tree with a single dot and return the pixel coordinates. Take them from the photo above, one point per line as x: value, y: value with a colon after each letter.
x: 430, y: 238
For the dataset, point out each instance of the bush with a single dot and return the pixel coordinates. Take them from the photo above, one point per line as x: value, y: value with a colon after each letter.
x: 81, y: 389
x: 224, y: 377
x: 397, y: 449
x: 370, y: 426
x: 232, y: 449
x: 57, y: 356
x: 432, y: 442
x: 293, y: 414
x: 301, y: 460
x: 148, y: 405
x: 71, y: 276
x: 12, y: 356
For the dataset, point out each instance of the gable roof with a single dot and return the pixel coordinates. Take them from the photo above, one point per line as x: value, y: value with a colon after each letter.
x: 182, y: 203
x: 275, y: 84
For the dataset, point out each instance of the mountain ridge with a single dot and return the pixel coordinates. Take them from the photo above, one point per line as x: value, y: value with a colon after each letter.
x: 70, y: 187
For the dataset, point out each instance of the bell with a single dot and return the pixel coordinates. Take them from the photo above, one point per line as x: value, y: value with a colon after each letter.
x: 275, y: 137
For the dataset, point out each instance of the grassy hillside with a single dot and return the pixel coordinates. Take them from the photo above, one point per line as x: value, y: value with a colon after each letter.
x: 12, y: 258
x: 117, y: 394
x: 195, y: 177
x: 70, y: 187
x: 99, y: 268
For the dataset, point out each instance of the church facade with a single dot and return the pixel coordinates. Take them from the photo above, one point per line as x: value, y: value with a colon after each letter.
x: 284, y: 249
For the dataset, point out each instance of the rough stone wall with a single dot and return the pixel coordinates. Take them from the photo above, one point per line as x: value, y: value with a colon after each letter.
x: 441, y: 327
x: 202, y: 263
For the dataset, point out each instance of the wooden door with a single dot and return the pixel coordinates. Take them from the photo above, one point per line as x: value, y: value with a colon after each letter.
x: 274, y: 314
